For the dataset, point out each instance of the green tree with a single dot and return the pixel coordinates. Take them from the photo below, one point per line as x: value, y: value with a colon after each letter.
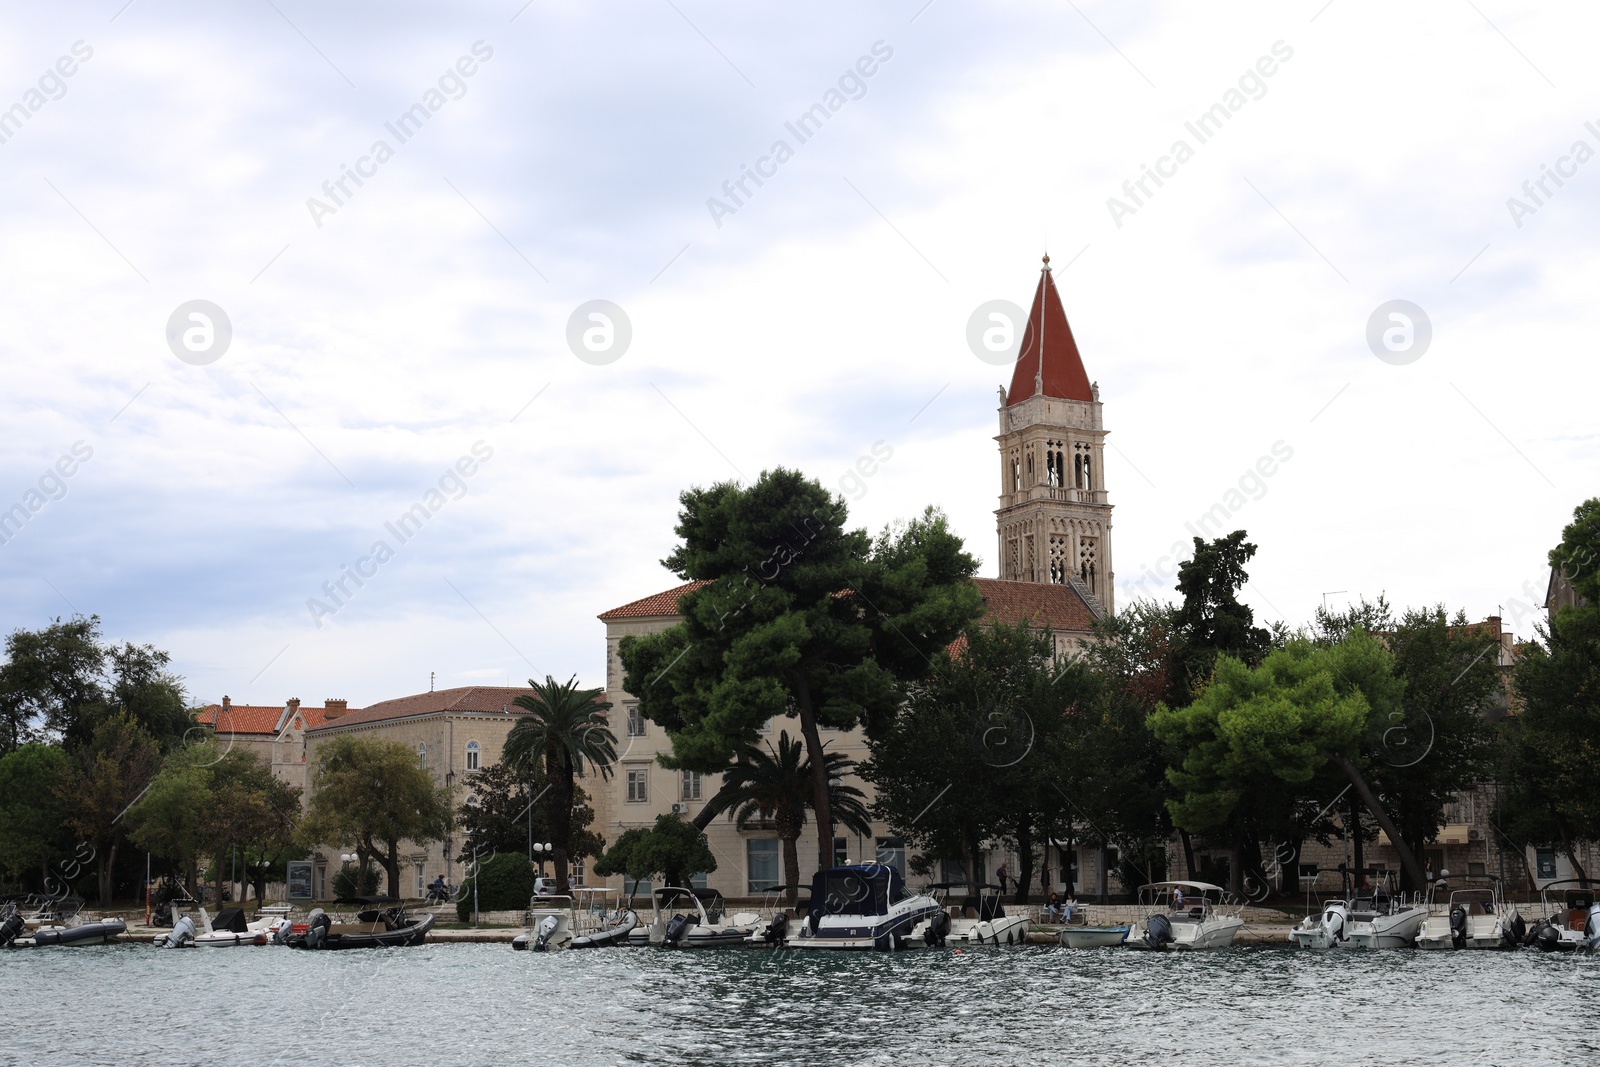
x: 32, y: 809
x: 773, y: 785
x: 50, y: 682
x: 979, y: 751
x: 251, y: 810
x: 671, y: 848
x: 109, y: 773
x: 170, y: 821
x: 501, y: 802
x: 799, y: 617
x: 1211, y: 621
x: 1254, y: 731
x: 564, y: 730
x: 369, y: 795
x: 1553, y: 773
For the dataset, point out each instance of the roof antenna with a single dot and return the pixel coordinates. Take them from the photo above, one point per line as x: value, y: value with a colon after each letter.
x: 430, y: 681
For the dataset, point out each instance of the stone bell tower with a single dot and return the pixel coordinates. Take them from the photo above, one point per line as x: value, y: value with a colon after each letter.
x: 1054, y: 517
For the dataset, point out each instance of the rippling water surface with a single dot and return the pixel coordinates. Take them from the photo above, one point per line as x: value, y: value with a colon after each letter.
x: 485, y: 1004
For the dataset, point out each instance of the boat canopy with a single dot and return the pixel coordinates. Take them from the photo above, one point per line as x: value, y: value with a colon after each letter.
x: 860, y: 889
x: 231, y: 920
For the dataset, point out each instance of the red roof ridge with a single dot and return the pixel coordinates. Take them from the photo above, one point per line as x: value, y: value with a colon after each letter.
x: 655, y: 605
x: 1061, y: 374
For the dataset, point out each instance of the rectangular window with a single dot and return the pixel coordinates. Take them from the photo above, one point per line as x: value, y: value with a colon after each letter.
x: 1476, y: 868
x: 698, y: 881
x: 763, y: 863
x: 638, y: 785
x: 472, y: 757
x: 635, y: 721
x: 954, y: 871
x: 421, y: 883
x: 691, y: 785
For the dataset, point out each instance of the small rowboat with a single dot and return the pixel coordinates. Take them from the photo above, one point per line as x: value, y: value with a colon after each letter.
x: 1094, y: 936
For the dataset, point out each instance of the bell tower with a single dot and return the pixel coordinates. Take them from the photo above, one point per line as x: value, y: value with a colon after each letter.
x: 1054, y: 518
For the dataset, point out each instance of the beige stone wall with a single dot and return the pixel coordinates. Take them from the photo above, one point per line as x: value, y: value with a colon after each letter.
x: 442, y: 742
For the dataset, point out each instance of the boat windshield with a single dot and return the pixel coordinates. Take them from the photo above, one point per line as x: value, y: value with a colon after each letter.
x: 868, y: 889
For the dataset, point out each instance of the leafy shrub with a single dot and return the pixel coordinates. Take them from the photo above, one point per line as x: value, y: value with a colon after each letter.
x: 505, y: 883
x: 352, y: 881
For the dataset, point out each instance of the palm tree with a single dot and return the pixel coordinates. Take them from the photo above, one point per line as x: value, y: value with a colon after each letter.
x: 775, y: 785
x: 565, y: 728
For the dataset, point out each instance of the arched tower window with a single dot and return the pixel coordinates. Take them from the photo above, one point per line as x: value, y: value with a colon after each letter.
x: 472, y: 755
x: 422, y: 756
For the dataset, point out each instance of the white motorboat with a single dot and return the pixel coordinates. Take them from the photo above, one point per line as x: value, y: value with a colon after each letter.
x: 981, y: 920
x: 776, y: 922
x: 1322, y: 929
x: 1376, y: 917
x: 1185, y: 915
x: 867, y: 907
x: 599, y: 922
x: 1570, y: 919
x: 550, y: 924
x: 1475, y: 916
x: 675, y: 924
x: 230, y: 929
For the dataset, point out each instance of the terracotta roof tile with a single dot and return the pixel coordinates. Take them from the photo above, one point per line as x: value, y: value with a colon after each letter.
x: 1057, y: 606
x: 1047, y: 327
x: 477, y: 698
x: 664, y: 603
x: 253, y: 718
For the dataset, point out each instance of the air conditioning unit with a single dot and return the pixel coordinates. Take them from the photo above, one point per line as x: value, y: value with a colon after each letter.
x: 1474, y: 834
x: 680, y: 809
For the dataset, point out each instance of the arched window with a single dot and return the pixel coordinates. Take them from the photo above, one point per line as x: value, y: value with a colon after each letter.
x: 422, y: 756
x: 472, y: 755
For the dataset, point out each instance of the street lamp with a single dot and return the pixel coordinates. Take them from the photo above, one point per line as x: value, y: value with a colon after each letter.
x: 473, y: 839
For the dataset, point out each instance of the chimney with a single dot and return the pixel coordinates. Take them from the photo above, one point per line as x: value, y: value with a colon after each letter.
x: 332, y: 709
x: 226, y: 703
x: 294, y: 705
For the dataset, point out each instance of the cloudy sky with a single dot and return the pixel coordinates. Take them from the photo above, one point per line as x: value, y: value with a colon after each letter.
x: 566, y: 152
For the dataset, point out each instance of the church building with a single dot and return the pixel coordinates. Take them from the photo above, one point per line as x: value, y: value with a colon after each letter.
x: 1054, y: 532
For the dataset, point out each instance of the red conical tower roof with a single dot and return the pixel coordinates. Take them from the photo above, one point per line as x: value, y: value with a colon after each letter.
x: 1047, y: 332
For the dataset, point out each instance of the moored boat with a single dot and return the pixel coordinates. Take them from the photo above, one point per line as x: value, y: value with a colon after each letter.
x: 1474, y: 916
x: 375, y: 926
x: 866, y: 907
x: 982, y: 919
x: 1184, y: 915
x: 1570, y: 920
x: 692, y: 918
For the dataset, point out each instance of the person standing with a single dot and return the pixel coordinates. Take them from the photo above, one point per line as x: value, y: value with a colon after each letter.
x: 1000, y: 876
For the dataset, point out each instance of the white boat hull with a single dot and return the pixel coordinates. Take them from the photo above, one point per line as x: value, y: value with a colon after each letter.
x: 1216, y: 932
x: 1387, y: 931
x: 1094, y: 936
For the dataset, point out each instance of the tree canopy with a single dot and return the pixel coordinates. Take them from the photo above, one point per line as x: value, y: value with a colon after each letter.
x: 672, y: 848
x: 800, y: 616
x: 369, y: 794
x: 565, y: 730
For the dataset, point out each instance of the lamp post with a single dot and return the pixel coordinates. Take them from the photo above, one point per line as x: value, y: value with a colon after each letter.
x: 473, y: 838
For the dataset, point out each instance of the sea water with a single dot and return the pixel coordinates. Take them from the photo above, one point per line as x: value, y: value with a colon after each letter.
x: 442, y: 1005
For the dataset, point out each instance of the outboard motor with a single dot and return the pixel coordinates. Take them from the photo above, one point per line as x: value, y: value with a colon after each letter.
x: 938, y: 929
x: 1591, y: 928
x: 1547, y: 936
x: 1515, y: 931
x: 10, y: 929
x: 1458, y: 927
x: 677, y: 926
x: 1158, y: 932
x: 182, y: 933
x: 547, y: 930
x: 317, y: 926
x: 1333, y: 924
x: 777, y: 929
